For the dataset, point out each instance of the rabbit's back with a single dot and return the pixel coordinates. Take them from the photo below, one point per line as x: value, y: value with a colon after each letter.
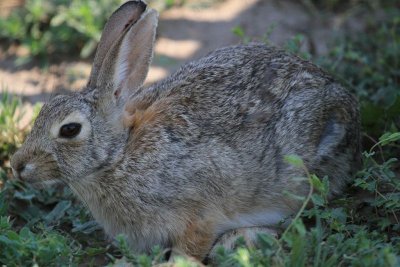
x: 261, y: 104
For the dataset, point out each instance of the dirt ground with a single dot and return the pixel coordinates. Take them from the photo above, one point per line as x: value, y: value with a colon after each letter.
x: 186, y: 33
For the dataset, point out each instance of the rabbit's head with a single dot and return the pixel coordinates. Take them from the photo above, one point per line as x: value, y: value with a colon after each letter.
x: 76, y: 135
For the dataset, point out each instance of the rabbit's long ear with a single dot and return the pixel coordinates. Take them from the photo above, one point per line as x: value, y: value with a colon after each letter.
x: 127, y: 62
x: 117, y: 25
x: 134, y: 55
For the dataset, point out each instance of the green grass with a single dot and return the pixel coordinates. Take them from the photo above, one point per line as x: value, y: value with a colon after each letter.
x: 49, y: 227
x: 58, y: 27
x: 10, y: 134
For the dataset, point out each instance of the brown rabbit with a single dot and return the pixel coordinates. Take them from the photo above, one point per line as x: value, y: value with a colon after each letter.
x: 197, y: 159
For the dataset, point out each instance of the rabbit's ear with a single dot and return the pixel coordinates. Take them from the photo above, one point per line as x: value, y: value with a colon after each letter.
x: 134, y: 55
x: 117, y: 25
x: 127, y: 62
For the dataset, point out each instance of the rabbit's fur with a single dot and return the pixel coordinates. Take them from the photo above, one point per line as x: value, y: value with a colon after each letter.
x: 200, y: 154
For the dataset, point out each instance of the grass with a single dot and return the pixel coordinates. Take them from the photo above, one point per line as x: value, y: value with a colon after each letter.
x: 49, y: 227
x: 10, y: 134
x: 64, y: 28
x: 46, y: 27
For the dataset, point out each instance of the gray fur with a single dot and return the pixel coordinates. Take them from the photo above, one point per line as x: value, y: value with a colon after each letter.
x: 207, y: 154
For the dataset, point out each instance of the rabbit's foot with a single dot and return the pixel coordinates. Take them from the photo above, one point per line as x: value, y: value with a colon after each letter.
x: 195, y: 241
x: 249, y: 234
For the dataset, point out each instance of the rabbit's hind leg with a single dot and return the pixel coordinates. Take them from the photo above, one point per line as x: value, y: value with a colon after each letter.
x: 250, y: 235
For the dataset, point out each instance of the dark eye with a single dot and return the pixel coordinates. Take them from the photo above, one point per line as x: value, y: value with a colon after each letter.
x: 70, y: 130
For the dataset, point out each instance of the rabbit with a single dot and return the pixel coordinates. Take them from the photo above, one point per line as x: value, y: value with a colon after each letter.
x: 195, y: 160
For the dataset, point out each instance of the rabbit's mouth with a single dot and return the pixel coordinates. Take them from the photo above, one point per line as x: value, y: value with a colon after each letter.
x: 33, y: 175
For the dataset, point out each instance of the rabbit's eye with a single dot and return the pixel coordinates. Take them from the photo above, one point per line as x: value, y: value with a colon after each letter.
x: 70, y: 130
